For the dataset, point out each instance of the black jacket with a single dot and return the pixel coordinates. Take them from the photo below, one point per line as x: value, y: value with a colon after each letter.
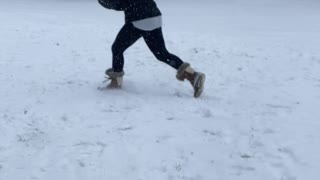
x: 133, y: 9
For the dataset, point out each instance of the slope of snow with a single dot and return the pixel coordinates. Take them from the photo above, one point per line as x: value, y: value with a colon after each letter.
x: 257, y: 119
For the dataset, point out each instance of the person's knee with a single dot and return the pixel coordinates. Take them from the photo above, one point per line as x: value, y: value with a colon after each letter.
x: 116, y: 49
x: 162, y: 56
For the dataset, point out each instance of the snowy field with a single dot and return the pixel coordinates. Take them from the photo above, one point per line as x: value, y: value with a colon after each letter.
x: 258, y: 119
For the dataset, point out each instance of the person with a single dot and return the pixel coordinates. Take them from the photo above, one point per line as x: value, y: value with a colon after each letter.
x: 143, y: 19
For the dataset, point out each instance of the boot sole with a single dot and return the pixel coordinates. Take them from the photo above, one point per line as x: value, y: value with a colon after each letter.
x: 199, y: 85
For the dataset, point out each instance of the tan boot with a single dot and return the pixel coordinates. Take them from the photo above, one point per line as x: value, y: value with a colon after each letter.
x: 196, y: 79
x: 115, y: 77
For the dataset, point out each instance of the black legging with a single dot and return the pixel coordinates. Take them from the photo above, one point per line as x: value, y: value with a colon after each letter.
x: 154, y: 39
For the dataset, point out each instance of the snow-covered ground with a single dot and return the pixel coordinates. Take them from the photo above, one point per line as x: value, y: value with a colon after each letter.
x: 259, y: 117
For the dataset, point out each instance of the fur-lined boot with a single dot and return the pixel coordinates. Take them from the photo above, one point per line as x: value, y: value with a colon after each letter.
x: 115, y: 77
x: 196, y: 79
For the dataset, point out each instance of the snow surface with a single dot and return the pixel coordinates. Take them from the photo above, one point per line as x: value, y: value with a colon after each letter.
x: 258, y: 118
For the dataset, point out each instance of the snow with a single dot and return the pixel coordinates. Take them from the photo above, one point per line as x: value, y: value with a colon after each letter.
x: 257, y: 119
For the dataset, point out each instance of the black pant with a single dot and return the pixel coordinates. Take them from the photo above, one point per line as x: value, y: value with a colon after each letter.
x: 154, y: 39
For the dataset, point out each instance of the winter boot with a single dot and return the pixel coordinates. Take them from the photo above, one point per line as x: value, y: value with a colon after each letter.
x: 115, y: 77
x: 196, y: 79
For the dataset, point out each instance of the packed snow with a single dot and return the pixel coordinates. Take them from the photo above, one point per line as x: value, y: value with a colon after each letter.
x: 258, y: 118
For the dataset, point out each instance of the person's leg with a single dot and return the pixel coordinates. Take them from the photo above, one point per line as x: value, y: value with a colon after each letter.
x: 125, y: 38
x: 155, y: 41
